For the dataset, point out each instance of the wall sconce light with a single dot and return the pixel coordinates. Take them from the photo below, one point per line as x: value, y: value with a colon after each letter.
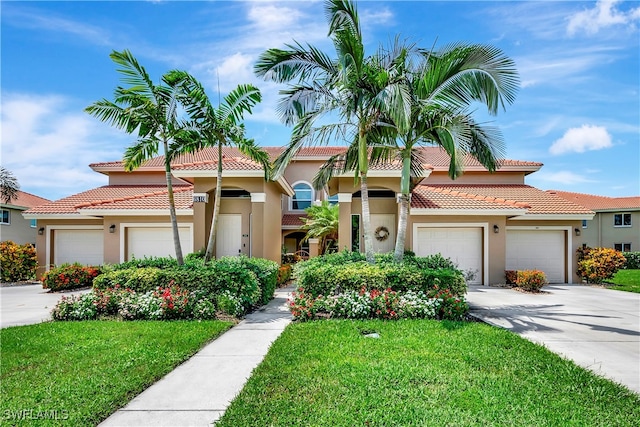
x: 112, y: 228
x: 41, y: 231
x: 496, y: 229
x: 577, y: 231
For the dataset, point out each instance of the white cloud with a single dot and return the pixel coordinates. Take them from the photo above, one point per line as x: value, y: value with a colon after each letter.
x: 273, y: 17
x: 605, y: 14
x: 376, y: 17
x: 48, y: 144
x: 584, y: 138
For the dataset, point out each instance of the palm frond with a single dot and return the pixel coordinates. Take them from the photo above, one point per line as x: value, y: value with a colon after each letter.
x: 136, y: 154
x: 133, y: 73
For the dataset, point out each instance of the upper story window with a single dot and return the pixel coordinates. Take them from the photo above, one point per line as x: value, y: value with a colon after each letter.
x: 5, y: 216
x: 333, y: 199
x: 303, y: 196
x: 622, y: 220
x: 33, y: 223
x: 584, y: 223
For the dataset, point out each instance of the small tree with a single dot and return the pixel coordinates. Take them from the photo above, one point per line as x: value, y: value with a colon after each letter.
x: 322, y: 223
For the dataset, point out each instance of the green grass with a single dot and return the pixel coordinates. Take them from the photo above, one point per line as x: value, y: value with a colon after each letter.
x: 422, y: 373
x: 626, y: 280
x: 81, y: 372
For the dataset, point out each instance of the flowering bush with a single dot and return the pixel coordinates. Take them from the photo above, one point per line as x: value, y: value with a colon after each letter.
x: 19, y: 262
x: 511, y: 276
x: 163, y: 303
x: 598, y: 264
x: 377, y: 304
x: 284, y: 274
x: 531, y: 280
x: 228, y: 303
x: 76, y: 307
x: 69, y: 276
x: 633, y: 260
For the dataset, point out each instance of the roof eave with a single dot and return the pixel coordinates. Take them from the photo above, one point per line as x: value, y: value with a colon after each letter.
x: 57, y: 216
x: 558, y: 216
x: 133, y: 212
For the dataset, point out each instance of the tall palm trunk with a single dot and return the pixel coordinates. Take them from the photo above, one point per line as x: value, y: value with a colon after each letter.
x: 405, y: 198
x: 366, y: 219
x: 172, y: 204
x: 216, y: 209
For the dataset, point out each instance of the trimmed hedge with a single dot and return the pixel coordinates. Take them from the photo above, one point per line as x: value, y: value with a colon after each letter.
x: 633, y: 260
x: 252, y: 280
x: 347, y: 271
x: 69, y: 276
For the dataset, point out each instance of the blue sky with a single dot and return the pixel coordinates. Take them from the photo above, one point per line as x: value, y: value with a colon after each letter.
x: 578, y: 109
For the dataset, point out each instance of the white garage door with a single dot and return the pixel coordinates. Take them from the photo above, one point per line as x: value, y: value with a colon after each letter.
x: 537, y: 250
x: 156, y: 242
x: 82, y: 246
x: 462, y: 244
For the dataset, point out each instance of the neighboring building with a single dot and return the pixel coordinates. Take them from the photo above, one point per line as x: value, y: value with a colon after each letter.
x: 487, y: 223
x: 616, y: 223
x: 13, y: 226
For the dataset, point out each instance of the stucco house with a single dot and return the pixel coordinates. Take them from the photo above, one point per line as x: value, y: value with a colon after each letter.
x: 13, y: 226
x: 487, y: 223
x: 616, y: 223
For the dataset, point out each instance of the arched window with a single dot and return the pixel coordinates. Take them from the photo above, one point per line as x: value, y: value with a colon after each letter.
x: 303, y: 196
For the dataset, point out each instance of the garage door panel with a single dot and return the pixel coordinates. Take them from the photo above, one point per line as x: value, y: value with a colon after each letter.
x: 537, y: 250
x: 82, y: 246
x: 463, y: 245
x: 156, y: 242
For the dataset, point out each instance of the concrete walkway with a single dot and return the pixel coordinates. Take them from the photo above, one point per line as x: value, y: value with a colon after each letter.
x: 198, y: 391
x: 28, y: 304
x: 597, y: 328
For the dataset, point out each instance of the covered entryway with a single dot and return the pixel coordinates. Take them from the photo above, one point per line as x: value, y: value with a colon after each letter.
x: 539, y: 249
x: 156, y: 241
x: 229, y: 235
x: 463, y: 245
x: 78, y: 245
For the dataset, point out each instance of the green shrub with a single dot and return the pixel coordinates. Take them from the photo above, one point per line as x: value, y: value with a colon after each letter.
x: 69, y: 276
x: 76, y: 307
x: 267, y: 273
x: 633, y: 260
x: 531, y: 280
x: 146, y: 262
x: 137, y: 279
x: 330, y: 278
x: 598, y: 264
x: 17, y: 262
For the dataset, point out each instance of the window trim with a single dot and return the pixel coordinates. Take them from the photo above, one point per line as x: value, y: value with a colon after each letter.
x: 2, y: 211
x: 585, y: 223
x: 290, y: 206
x: 622, y: 216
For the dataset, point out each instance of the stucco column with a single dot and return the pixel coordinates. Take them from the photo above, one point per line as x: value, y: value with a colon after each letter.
x: 257, y: 225
x: 314, y: 247
x: 200, y: 224
x: 344, y: 228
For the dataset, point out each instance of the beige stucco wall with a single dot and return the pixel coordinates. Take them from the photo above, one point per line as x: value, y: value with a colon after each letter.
x: 601, y: 232
x: 18, y: 230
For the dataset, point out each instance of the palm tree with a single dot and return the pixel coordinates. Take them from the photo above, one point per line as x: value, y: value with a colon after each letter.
x: 150, y: 111
x: 9, y: 186
x: 322, y: 223
x: 356, y: 89
x: 444, y: 87
x: 217, y: 127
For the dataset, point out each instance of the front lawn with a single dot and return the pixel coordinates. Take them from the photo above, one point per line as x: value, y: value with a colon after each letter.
x: 78, y: 373
x: 420, y: 373
x: 626, y: 280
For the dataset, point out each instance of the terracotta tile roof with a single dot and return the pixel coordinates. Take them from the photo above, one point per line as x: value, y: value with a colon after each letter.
x: 595, y: 203
x: 118, y: 197
x: 293, y: 220
x: 27, y: 200
x: 235, y: 160
x: 480, y: 196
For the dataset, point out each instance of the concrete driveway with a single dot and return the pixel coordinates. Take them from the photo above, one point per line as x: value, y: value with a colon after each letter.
x: 28, y: 304
x: 597, y: 328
